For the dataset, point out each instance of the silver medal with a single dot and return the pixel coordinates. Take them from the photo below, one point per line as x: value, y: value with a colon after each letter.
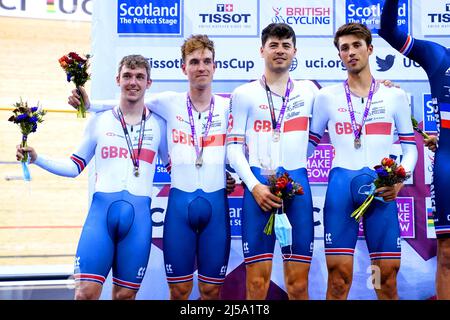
x: 357, y: 143
x: 199, y: 161
x: 276, y: 136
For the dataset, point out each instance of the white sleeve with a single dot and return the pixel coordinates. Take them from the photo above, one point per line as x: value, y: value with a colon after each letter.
x: 163, y: 150
x: 102, y: 105
x: 319, y: 121
x: 74, y: 165
x: 405, y: 131
x: 237, y: 123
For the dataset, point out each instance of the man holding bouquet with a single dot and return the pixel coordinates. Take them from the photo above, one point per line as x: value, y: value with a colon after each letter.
x: 361, y: 118
x: 269, y: 121
x: 123, y: 142
x: 197, y: 223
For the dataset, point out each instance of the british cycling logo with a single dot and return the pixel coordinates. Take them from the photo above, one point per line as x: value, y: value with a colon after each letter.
x: 386, y: 63
x: 155, y: 17
x: 302, y: 15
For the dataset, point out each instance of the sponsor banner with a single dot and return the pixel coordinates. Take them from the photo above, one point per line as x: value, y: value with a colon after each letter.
x: 235, y: 209
x: 323, y: 63
x: 159, y: 206
x: 431, y: 232
x: 428, y: 161
x: 429, y: 119
x: 318, y: 204
x: 368, y: 12
x: 319, y: 164
x: 435, y: 18
x: 78, y: 10
x: 161, y: 175
x: 223, y: 18
x: 158, y: 209
x: 149, y: 17
x: 405, y: 207
x: 246, y: 64
x: 307, y: 17
x: 166, y: 62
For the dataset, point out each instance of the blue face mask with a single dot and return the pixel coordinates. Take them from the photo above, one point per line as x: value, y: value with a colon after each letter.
x: 283, y: 230
x: 369, y: 190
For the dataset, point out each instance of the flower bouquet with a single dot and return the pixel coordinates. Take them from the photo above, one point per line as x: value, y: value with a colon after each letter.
x: 389, y: 173
x: 27, y: 119
x: 415, y: 125
x: 76, y: 71
x: 284, y: 187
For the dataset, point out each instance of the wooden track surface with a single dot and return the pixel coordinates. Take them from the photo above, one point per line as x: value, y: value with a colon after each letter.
x: 40, y: 221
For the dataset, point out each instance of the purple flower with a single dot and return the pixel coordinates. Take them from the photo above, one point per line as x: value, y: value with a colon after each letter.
x: 34, y: 127
x: 21, y: 117
x: 381, y: 172
x: 289, y: 187
x: 34, y: 109
x: 33, y: 119
x: 69, y: 76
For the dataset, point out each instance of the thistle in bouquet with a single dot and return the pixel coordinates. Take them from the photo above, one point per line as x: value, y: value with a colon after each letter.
x: 389, y: 173
x: 27, y: 119
x: 284, y: 187
x: 76, y: 68
x: 415, y: 125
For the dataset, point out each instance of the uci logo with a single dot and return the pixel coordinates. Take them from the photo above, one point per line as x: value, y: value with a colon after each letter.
x: 264, y: 106
x: 110, y: 134
x: 179, y: 118
x: 342, y: 110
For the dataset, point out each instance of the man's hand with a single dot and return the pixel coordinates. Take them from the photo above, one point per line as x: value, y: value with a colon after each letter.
x: 74, y: 99
x: 389, y: 83
x: 431, y: 143
x: 389, y: 193
x: 231, y: 183
x: 20, y: 152
x: 265, y: 199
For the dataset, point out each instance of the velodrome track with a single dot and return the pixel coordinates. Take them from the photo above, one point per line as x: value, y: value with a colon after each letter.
x: 40, y: 221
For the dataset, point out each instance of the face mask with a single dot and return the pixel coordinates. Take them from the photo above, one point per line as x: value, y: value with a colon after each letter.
x: 283, y: 230
x: 369, y: 190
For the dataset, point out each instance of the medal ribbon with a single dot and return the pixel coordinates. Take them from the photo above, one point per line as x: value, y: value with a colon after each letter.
x: 134, y: 159
x: 189, y: 106
x: 356, y: 132
x: 276, y: 124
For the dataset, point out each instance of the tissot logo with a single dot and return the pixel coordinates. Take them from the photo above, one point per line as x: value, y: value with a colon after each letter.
x: 224, y: 7
x: 440, y: 17
x: 221, y: 17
